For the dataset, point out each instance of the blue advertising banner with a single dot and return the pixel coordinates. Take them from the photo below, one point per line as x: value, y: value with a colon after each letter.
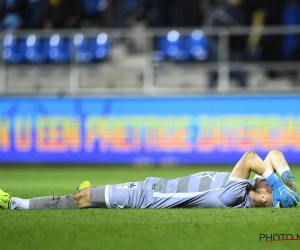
x: 147, y: 130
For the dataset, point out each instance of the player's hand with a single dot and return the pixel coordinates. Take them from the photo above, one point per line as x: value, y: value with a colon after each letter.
x: 289, y: 180
x: 281, y: 193
x: 285, y: 196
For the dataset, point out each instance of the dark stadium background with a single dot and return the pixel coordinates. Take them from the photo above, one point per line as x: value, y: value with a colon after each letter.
x: 148, y: 82
x: 118, y: 90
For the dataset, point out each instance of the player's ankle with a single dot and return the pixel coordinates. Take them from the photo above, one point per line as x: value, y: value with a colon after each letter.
x: 18, y: 203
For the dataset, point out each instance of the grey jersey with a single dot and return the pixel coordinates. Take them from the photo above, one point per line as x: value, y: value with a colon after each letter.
x: 203, y: 190
x: 200, y: 190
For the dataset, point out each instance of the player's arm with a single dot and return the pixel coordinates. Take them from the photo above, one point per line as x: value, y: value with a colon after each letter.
x: 277, y: 161
x: 252, y: 162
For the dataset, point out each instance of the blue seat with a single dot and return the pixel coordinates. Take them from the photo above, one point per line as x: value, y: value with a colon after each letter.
x: 59, y: 49
x: 101, y: 45
x: 14, y: 50
x: 88, y: 50
x: 92, y: 7
x: 291, y: 18
x: 170, y: 47
x: 196, y: 46
x: 83, y: 51
x: 36, y: 50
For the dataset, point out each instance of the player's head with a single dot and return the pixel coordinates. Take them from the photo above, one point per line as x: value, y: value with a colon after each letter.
x: 264, y: 193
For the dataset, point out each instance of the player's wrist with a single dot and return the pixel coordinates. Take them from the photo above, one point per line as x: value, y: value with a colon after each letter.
x: 272, y: 179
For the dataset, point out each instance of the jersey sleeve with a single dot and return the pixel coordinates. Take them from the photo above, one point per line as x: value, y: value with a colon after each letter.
x: 235, y: 193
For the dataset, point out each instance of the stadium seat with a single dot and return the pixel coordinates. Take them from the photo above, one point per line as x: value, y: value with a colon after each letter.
x: 170, y: 47
x: 291, y: 19
x: 101, y: 47
x: 196, y: 46
x: 88, y: 50
x: 59, y: 49
x: 92, y: 7
x: 36, y: 50
x: 175, y: 47
x: 83, y: 51
x: 14, y: 50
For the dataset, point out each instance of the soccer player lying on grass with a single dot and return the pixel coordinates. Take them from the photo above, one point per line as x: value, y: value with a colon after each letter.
x: 200, y: 190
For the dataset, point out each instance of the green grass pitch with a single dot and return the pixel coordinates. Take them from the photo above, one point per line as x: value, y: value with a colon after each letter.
x: 132, y: 228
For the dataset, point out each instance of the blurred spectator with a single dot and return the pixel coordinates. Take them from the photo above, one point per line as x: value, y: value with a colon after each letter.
x: 226, y: 14
x: 272, y: 44
x: 66, y: 13
x: 188, y: 13
x: 254, y: 40
x: 291, y: 44
x: 165, y: 13
x: 119, y: 8
x: 158, y: 13
x: 250, y: 7
x: 12, y: 13
x: 39, y: 14
x: 111, y: 13
x: 147, y: 12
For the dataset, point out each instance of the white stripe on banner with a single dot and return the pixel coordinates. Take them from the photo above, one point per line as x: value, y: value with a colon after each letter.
x: 180, y: 195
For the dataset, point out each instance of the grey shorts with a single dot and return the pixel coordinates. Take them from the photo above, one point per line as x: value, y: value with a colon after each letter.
x: 130, y: 194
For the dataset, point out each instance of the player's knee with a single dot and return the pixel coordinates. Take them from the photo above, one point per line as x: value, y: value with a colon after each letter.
x: 250, y: 154
x: 275, y: 152
x: 249, y: 157
x: 82, y: 198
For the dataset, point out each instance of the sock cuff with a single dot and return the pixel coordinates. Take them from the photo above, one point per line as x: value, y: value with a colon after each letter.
x: 268, y: 172
x: 98, y: 197
x: 18, y: 203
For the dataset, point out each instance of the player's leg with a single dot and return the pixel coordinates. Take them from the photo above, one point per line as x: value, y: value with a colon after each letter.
x: 126, y: 195
x: 249, y: 162
x: 277, y: 161
x: 45, y: 202
x: 85, y: 197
